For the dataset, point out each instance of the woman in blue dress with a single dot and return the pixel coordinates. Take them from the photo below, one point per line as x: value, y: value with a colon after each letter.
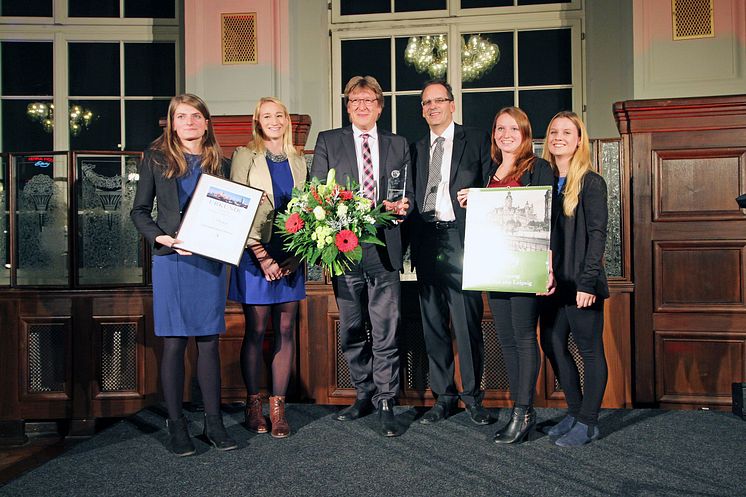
x: 188, y: 290
x: 268, y: 281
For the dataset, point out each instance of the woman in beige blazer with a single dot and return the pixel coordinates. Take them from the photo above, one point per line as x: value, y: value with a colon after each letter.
x: 268, y: 281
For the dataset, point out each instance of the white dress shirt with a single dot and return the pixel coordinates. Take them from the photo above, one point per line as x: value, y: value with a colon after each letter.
x: 443, y: 203
x: 373, y: 144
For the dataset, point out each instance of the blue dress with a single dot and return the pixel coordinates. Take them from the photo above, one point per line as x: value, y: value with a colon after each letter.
x: 248, y: 284
x: 188, y: 291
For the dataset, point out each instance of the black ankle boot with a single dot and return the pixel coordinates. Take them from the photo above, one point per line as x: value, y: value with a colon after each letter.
x: 216, y: 434
x: 179, y: 441
x: 522, y: 420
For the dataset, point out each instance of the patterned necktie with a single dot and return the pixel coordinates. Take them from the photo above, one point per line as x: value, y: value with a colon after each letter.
x: 433, y: 175
x: 369, y: 182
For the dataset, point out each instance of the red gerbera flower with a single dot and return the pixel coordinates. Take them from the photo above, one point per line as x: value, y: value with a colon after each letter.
x: 345, y: 194
x: 294, y: 223
x: 346, y: 241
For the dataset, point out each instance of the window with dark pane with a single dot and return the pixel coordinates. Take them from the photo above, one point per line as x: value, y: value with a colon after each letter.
x: 541, y: 2
x: 367, y: 57
x: 160, y: 9
x: 102, y: 132
x: 384, y: 121
x: 501, y: 73
x: 355, y: 7
x: 409, y: 121
x: 149, y: 69
x: 23, y: 131
x: 544, y: 57
x: 93, y: 8
x: 479, y: 4
x: 26, y: 8
x: 141, y: 122
x: 93, y: 69
x: 26, y: 68
x: 419, y: 5
x: 542, y: 105
x: 408, y: 75
x: 479, y: 109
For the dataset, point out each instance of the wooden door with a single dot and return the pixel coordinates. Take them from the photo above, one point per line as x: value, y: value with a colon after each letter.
x: 689, y: 245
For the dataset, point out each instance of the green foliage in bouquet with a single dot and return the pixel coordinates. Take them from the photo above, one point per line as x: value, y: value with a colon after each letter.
x: 325, y: 224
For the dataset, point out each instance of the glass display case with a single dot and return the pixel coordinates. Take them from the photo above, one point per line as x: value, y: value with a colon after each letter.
x: 55, y: 194
x: 108, y: 245
x: 4, y: 227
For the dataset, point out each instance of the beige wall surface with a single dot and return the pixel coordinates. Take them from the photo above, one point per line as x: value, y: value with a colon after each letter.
x: 293, y: 58
x: 665, y: 67
x: 609, y: 75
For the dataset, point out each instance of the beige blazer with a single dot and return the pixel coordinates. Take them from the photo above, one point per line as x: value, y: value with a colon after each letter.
x: 250, y: 168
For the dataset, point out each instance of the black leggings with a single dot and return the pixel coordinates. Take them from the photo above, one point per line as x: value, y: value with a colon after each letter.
x: 208, y: 373
x: 515, y: 317
x: 283, y: 324
x: 557, y: 321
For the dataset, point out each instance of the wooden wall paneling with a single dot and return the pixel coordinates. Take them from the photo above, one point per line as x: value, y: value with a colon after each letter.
x: 700, y: 275
x: 11, y: 422
x: 688, y: 164
x: 644, y: 356
x: 698, y: 368
x: 698, y: 185
x: 232, y: 385
x: 82, y: 356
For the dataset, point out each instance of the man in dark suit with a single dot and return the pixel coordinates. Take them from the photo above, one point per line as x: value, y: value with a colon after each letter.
x: 449, y: 158
x: 369, y: 156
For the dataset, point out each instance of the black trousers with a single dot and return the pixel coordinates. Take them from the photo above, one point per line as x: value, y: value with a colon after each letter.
x: 371, y: 289
x: 442, y: 302
x: 558, y: 319
x: 516, y: 316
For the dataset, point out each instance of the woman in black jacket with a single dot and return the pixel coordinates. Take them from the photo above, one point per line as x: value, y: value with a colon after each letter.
x: 516, y: 314
x: 579, y: 227
x: 188, y: 290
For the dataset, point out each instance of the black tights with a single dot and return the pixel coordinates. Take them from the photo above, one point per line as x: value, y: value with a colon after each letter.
x: 516, y: 316
x: 208, y: 373
x: 283, y: 324
x: 587, y: 325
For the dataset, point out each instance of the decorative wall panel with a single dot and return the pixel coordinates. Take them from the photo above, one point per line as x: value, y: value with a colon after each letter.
x: 698, y: 184
x: 699, y: 275
x: 699, y: 367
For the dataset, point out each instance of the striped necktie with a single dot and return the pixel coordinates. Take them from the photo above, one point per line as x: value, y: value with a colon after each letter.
x: 369, y: 182
x: 433, y: 176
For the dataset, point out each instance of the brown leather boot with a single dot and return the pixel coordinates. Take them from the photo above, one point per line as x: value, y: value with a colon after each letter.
x: 253, y: 414
x: 280, y: 426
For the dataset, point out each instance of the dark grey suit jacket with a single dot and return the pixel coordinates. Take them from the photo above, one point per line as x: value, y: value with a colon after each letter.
x: 336, y: 149
x: 152, y: 184
x: 470, y: 168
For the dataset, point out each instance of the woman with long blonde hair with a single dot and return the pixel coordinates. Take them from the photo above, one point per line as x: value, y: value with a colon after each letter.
x: 188, y: 290
x: 268, y: 281
x: 578, y: 242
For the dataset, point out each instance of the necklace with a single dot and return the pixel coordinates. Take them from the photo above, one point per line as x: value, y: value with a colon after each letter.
x: 281, y: 157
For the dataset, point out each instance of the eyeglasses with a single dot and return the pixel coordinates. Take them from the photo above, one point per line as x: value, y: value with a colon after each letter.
x: 435, y: 101
x: 357, y: 102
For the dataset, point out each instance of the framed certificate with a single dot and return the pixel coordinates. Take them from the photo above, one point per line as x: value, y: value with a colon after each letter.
x: 506, y: 247
x: 217, y: 221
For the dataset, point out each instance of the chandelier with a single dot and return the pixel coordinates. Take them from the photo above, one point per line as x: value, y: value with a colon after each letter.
x: 430, y: 54
x: 79, y: 118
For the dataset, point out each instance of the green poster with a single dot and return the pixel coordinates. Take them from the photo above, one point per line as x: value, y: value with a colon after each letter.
x: 506, y: 248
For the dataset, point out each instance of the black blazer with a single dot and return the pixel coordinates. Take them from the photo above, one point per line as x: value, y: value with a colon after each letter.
x: 151, y: 184
x: 541, y: 174
x: 578, y: 242
x: 470, y: 168
x: 336, y: 149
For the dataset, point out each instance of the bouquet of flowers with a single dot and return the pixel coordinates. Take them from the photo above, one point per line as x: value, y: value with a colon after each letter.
x: 325, y: 223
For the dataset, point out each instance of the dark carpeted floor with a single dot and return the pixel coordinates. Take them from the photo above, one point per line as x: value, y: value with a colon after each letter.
x: 642, y: 453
